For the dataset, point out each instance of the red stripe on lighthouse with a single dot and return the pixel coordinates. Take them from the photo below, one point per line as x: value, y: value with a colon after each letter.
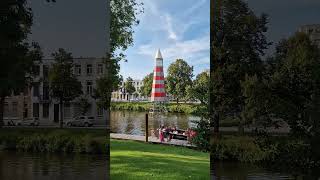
x: 158, y: 69
x: 157, y: 85
x: 158, y: 78
x: 159, y: 94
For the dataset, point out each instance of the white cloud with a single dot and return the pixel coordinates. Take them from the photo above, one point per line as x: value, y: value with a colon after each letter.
x: 195, y: 51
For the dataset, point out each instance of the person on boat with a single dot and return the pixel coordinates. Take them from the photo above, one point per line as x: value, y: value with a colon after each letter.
x: 161, y: 134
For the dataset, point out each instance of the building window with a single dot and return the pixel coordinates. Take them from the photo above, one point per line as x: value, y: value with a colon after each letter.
x: 89, y: 69
x: 45, y: 110
x: 45, y: 91
x: 45, y: 71
x: 36, y: 90
x: 25, y: 110
x: 78, y: 69
x: 14, y: 109
x: 6, y: 110
x: 89, y: 87
x: 100, y: 69
x: 100, y: 112
x: 35, y: 109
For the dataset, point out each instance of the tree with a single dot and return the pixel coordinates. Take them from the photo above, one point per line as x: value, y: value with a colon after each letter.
x: 146, y: 89
x: 237, y: 43
x: 64, y: 86
x: 290, y: 89
x: 179, y: 78
x: 128, y: 86
x: 200, y: 89
x: 83, y: 105
x: 16, y: 54
x: 123, y: 18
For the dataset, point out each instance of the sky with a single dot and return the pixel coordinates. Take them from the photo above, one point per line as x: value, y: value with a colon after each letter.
x: 286, y: 16
x: 79, y: 26
x: 180, y: 28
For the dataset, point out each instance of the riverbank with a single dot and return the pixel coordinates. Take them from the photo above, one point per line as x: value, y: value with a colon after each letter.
x: 279, y: 152
x: 137, y: 160
x: 186, y: 108
x: 88, y: 141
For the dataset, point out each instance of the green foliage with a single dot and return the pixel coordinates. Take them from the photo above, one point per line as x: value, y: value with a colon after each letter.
x: 241, y: 149
x: 238, y: 41
x: 16, y: 53
x: 128, y: 86
x: 200, y: 88
x: 178, y: 79
x: 195, y: 109
x: 53, y: 141
x: 83, y: 105
x: 276, y: 152
x: 123, y: 19
x: 202, y: 140
x: 63, y: 84
x: 147, y: 85
x: 292, y: 81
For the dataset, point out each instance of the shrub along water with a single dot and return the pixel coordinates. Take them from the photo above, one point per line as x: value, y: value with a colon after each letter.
x: 275, y: 152
x: 53, y: 141
x: 186, y: 108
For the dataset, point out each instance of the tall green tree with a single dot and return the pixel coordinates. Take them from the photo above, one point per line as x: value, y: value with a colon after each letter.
x: 290, y: 88
x: 146, y: 89
x: 178, y: 79
x: 16, y: 54
x: 238, y: 41
x: 129, y: 87
x: 200, y: 89
x: 64, y: 86
x: 123, y: 19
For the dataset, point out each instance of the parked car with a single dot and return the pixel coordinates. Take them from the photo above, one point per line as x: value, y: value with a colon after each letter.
x: 85, y: 121
x: 28, y: 122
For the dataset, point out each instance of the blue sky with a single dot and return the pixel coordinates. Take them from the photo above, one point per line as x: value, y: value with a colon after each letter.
x: 180, y: 28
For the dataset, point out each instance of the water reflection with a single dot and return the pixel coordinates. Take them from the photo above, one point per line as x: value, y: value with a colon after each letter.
x: 26, y: 166
x: 241, y: 171
x: 127, y: 122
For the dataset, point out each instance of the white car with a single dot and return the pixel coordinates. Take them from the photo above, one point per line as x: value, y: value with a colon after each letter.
x: 28, y: 122
x: 85, y: 121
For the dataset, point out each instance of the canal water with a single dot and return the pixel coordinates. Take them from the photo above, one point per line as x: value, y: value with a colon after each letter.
x: 29, y: 166
x: 241, y: 171
x: 127, y: 122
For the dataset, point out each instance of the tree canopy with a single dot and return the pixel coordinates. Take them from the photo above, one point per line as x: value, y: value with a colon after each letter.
x: 16, y: 54
x: 178, y: 79
x: 237, y: 43
x: 64, y: 86
x: 147, y: 85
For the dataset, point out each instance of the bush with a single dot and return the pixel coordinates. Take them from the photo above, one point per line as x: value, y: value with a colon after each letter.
x: 60, y: 141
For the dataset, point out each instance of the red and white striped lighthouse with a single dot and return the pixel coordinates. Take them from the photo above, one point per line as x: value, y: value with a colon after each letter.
x: 158, y: 93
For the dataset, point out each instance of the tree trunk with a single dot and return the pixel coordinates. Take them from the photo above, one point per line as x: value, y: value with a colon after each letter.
x: 1, y: 111
x: 177, y: 100
x: 61, y: 114
x: 241, y: 126
x: 216, y: 124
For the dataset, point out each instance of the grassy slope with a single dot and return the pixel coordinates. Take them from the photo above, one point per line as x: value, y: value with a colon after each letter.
x: 137, y: 160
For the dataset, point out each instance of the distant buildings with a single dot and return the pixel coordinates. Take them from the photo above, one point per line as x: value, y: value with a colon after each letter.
x: 122, y: 95
x: 313, y: 31
x: 37, y: 102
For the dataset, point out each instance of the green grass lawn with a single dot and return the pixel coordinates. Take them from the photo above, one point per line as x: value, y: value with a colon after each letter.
x: 137, y: 160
